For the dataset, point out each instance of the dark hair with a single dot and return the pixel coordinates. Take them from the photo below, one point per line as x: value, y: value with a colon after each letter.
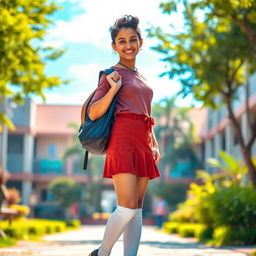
x: 127, y: 21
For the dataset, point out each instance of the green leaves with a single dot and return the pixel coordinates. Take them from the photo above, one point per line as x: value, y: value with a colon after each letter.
x: 66, y: 191
x: 209, y: 56
x: 22, y: 23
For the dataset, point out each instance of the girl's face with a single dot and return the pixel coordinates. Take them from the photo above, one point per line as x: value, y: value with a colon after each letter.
x: 127, y: 43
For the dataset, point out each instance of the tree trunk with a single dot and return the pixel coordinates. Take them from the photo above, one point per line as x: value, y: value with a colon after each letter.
x: 249, y: 163
x: 244, y: 147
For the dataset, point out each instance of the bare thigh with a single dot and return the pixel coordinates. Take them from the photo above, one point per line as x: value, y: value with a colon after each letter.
x: 126, y: 188
x: 142, y: 184
x: 130, y: 189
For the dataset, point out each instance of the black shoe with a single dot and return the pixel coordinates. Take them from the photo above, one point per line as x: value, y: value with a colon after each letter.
x: 94, y: 253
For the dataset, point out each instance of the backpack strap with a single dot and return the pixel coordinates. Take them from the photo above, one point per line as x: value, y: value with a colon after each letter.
x: 85, y: 159
x: 84, y: 111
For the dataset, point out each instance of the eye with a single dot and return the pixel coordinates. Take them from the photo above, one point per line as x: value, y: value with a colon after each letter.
x: 122, y: 42
x: 134, y: 40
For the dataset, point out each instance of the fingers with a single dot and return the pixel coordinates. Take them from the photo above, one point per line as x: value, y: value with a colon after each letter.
x: 156, y: 155
x: 114, y: 76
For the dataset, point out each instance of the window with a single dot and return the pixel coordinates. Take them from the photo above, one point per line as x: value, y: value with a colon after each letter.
x: 43, y: 196
x: 52, y: 150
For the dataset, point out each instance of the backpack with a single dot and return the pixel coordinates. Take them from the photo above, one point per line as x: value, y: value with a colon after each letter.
x: 94, y: 135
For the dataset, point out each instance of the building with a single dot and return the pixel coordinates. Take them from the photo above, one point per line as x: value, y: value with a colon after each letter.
x: 218, y: 133
x: 34, y: 157
x: 34, y: 154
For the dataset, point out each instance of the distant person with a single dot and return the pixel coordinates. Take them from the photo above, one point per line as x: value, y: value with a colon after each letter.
x: 132, y: 152
x: 160, y: 211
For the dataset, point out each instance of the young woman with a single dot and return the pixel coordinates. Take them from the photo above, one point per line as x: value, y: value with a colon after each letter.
x: 132, y: 152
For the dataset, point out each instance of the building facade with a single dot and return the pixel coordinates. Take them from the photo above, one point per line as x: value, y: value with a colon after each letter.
x: 34, y: 154
x: 218, y: 133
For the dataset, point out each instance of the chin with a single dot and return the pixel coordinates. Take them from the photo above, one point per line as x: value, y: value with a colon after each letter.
x: 129, y: 57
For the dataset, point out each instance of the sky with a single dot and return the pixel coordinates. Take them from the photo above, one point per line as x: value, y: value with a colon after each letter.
x: 82, y: 28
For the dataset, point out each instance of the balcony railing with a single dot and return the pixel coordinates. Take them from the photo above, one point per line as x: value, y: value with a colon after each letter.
x: 48, y: 166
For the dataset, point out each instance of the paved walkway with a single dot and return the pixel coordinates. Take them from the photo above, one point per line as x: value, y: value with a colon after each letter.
x: 81, y: 242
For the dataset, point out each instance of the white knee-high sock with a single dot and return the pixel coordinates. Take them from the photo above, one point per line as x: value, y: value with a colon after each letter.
x: 132, y: 234
x: 115, y: 227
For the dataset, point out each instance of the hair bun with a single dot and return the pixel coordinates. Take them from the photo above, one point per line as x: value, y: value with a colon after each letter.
x: 127, y: 21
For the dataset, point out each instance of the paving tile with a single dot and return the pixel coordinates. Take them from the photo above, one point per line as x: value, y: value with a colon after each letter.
x: 153, y: 243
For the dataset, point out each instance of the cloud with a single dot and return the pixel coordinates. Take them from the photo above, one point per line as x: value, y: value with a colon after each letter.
x: 85, y: 76
x: 92, y: 25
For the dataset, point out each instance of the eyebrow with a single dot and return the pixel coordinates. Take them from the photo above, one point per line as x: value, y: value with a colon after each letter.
x: 124, y: 38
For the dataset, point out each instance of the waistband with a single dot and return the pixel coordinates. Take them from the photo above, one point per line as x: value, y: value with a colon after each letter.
x: 148, y: 119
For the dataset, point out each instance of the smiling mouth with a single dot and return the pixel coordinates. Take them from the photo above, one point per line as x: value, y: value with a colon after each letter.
x: 130, y: 51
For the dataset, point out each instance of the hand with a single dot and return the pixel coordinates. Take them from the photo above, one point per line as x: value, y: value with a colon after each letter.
x: 115, y: 80
x: 156, y: 154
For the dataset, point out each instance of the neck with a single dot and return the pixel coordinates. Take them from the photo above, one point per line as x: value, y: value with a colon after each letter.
x: 130, y: 64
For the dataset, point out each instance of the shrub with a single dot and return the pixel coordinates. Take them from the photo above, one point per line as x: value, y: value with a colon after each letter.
x: 17, y: 232
x: 22, y: 229
x: 253, y: 253
x: 188, y: 229
x: 232, y: 236
x: 73, y: 223
x: 233, y: 206
x: 171, y: 227
x: 185, y: 213
x: 203, y: 233
x: 60, y: 227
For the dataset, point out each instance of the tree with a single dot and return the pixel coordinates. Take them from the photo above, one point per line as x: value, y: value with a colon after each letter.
x: 23, y: 25
x: 211, y: 57
x: 66, y: 191
x: 242, y: 13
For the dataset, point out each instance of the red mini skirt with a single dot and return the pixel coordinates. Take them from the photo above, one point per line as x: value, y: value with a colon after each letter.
x: 128, y: 149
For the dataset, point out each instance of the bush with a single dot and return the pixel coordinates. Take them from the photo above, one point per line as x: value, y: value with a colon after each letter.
x: 17, y: 232
x: 171, y: 227
x: 60, y: 227
x: 200, y: 231
x: 188, y: 229
x: 253, y: 253
x: 73, y: 223
x: 203, y: 233
x: 232, y: 236
x: 232, y: 206
x: 23, y: 229
x: 185, y: 213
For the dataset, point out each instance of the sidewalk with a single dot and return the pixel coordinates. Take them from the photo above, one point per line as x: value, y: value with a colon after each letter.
x: 82, y: 242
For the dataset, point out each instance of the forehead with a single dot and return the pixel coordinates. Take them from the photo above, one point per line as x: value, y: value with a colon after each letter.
x: 126, y: 33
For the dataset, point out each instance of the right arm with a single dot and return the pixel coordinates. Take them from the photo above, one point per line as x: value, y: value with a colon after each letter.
x: 100, y: 107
